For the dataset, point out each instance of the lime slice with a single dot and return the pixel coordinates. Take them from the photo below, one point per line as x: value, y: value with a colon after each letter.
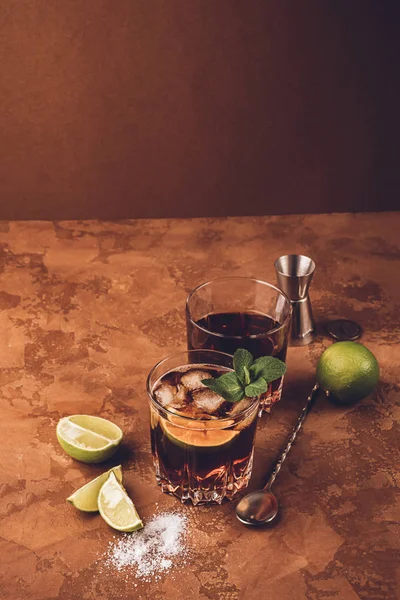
x: 116, y: 508
x: 204, y: 436
x: 88, y: 439
x: 86, y: 497
x: 199, y: 424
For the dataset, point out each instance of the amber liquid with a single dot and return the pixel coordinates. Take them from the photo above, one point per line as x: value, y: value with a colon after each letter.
x: 202, y: 473
x: 207, y: 468
x: 227, y: 332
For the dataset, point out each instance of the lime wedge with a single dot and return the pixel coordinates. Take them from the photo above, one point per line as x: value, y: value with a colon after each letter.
x: 86, y: 497
x: 88, y: 439
x: 116, y: 508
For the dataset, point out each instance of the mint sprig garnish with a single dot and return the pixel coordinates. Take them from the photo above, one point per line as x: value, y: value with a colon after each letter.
x: 268, y: 367
x: 227, y: 385
x: 256, y: 388
x: 242, y: 361
x: 250, y: 377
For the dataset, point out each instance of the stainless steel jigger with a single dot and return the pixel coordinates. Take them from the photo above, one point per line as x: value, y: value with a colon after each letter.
x: 294, y: 273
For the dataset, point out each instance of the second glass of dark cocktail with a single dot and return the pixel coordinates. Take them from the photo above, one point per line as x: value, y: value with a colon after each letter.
x: 202, y: 445
x: 240, y: 312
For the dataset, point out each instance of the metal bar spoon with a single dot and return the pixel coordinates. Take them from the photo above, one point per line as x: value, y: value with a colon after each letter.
x: 260, y: 507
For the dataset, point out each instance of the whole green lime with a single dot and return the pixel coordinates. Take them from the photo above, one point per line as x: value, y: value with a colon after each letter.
x: 348, y: 371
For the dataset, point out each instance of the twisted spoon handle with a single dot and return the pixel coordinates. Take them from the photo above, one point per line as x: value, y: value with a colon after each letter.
x: 302, y: 417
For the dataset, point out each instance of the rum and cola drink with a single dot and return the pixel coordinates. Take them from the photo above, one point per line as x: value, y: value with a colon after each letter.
x: 202, y: 445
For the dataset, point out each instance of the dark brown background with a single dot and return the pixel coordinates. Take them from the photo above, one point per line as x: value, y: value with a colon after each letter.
x: 136, y: 108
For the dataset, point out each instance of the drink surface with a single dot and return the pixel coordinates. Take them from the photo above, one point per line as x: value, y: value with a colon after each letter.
x: 202, y: 447
x: 183, y: 393
x: 229, y: 331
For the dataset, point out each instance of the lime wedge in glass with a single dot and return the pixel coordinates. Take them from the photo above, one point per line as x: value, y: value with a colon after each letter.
x: 86, y: 497
x: 88, y: 439
x: 116, y: 508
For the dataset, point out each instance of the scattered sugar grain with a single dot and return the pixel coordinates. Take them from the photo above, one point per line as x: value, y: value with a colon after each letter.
x: 153, y: 550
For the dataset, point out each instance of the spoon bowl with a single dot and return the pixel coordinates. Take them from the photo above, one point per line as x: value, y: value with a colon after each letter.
x: 257, y: 508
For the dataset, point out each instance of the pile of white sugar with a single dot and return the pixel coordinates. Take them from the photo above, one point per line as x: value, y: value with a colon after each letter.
x: 153, y: 550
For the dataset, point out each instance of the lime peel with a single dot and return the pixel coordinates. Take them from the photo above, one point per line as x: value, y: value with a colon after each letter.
x: 348, y: 371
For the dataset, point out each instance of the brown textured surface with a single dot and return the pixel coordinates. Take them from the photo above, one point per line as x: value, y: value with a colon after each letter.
x: 88, y: 307
x: 171, y: 108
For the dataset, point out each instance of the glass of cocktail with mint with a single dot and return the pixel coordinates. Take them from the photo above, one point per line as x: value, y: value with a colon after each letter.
x: 203, y: 408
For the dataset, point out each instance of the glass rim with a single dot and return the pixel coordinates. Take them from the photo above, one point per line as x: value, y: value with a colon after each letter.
x: 236, y: 418
x: 238, y: 337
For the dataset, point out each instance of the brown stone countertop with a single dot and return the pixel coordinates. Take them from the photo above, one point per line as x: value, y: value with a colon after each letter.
x: 87, y: 308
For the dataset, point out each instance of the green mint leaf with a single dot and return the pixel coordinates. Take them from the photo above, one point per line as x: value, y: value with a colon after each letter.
x: 247, y: 378
x: 228, y: 386
x: 256, y: 388
x: 211, y: 383
x: 267, y: 367
x: 242, y: 359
